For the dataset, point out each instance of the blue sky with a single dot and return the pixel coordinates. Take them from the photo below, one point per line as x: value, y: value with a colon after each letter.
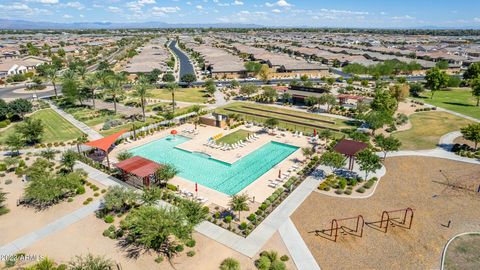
x: 339, y: 13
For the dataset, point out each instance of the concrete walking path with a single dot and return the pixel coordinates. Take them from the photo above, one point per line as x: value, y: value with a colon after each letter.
x: 301, y: 255
x: 252, y: 244
x: 65, y: 221
x: 57, y: 225
x: 92, y: 134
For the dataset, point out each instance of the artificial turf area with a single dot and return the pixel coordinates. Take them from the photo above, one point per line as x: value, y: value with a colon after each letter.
x: 289, y: 119
x: 194, y: 95
x: 427, y: 128
x: 462, y: 253
x: 234, y: 137
x: 57, y: 129
x: 458, y: 100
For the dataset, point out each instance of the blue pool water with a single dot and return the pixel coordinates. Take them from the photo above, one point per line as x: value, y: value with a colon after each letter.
x: 212, y: 173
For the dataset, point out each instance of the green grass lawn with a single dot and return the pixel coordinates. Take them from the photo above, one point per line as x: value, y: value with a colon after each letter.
x: 427, y: 128
x: 274, y: 112
x: 194, y: 95
x: 57, y: 129
x: 458, y: 100
x: 234, y: 137
x: 92, y: 117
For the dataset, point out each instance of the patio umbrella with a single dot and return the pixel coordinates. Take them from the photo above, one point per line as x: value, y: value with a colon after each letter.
x: 173, y: 132
x: 314, y: 132
x: 196, y: 188
x: 279, y: 173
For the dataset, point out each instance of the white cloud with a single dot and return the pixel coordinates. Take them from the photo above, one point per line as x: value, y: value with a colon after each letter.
x: 476, y: 19
x: 76, y: 5
x: 45, y: 1
x: 114, y: 9
x: 66, y: 16
x: 237, y: 3
x: 404, y: 17
x: 280, y: 3
x: 199, y: 7
x: 276, y: 11
x: 164, y: 10
x: 144, y: 2
x: 349, y: 12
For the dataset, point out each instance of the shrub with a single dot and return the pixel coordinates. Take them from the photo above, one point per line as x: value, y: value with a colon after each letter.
x: 172, y: 187
x: 191, y: 253
x: 108, y: 219
x: 96, y: 194
x: 8, y: 181
x: 284, y: 258
x: 243, y: 226
x: 252, y: 217
x: 81, y: 190
x: 190, y: 243
x: 159, y: 259
x: 339, y: 191
x: 89, y: 199
x: 228, y: 219
x: 361, y: 190
x: 3, y: 167
x: 179, y: 248
x: 348, y: 192
x: 70, y: 200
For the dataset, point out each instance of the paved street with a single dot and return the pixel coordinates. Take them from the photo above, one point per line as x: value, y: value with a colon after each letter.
x: 185, y: 66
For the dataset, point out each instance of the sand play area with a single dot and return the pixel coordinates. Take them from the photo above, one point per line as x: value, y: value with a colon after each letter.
x: 414, y: 182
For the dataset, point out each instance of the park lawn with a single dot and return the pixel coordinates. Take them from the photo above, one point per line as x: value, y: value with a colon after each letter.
x: 127, y: 126
x: 458, y: 100
x: 427, y: 128
x: 194, y: 95
x: 296, y: 116
x: 91, y: 117
x: 57, y: 129
x: 234, y: 137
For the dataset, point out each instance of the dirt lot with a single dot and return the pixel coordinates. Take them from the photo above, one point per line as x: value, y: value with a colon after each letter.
x: 86, y: 237
x: 408, y: 183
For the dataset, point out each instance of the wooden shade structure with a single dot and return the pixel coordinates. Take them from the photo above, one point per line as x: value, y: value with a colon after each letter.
x: 350, y: 148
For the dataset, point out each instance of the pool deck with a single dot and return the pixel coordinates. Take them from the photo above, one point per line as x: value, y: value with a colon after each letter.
x: 258, y: 189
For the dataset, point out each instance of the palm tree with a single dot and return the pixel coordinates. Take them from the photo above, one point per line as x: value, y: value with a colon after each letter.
x: 114, y: 87
x: 82, y: 71
x: 172, y: 87
x: 91, y: 83
x: 68, y: 75
x: 230, y: 264
x: 196, y: 109
x: 141, y: 91
x: 51, y: 73
x: 166, y: 172
x: 81, y: 140
x: 239, y: 203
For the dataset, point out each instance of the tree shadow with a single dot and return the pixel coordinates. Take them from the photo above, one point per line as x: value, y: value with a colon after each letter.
x: 458, y: 104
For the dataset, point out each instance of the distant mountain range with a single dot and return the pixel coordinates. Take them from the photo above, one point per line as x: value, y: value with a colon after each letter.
x: 23, y: 25
x: 6, y: 24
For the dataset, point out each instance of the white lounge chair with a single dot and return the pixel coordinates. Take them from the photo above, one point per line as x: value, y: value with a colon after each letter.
x: 300, y: 134
x: 272, y: 185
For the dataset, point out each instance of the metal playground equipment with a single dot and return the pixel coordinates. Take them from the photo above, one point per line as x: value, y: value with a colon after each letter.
x: 332, y: 233
x: 404, y: 219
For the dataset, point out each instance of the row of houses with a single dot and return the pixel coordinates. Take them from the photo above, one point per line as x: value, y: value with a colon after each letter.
x: 15, y: 65
x: 152, y: 56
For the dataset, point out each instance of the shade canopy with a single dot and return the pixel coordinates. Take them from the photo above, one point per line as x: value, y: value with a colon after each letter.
x: 106, y: 142
x: 138, y: 166
x: 173, y: 132
x: 349, y: 147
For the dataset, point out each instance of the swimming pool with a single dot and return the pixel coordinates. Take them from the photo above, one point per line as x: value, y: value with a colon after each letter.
x: 221, y: 176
